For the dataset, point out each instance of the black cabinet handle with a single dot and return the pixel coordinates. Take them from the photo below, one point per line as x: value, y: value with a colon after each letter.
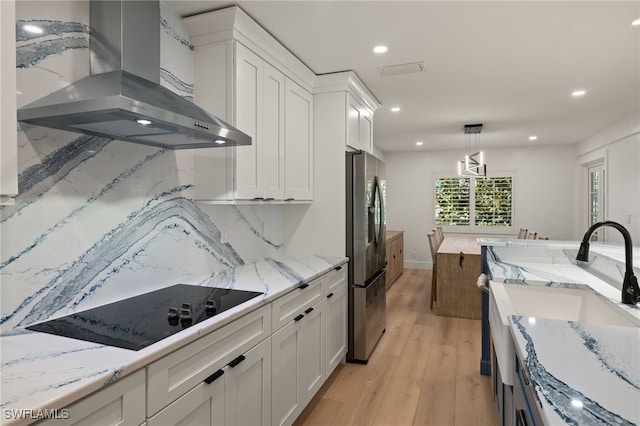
x: 303, y: 286
x: 308, y: 310
x: 329, y: 296
x: 521, y: 419
x: 237, y: 361
x: 337, y: 268
x: 269, y: 199
x: 299, y: 317
x: 213, y: 377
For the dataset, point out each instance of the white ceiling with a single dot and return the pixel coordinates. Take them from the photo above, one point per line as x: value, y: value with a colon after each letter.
x: 510, y: 65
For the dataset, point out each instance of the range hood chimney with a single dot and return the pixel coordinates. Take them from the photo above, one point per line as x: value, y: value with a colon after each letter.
x: 122, y: 98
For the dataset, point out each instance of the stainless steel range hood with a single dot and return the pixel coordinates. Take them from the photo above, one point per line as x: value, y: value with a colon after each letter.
x: 122, y: 98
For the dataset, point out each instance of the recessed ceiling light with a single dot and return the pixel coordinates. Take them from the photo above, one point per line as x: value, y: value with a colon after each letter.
x: 636, y: 23
x: 578, y: 92
x: 380, y: 49
x: 32, y: 29
x: 533, y: 138
x: 395, y: 109
x: 419, y: 143
x: 143, y: 122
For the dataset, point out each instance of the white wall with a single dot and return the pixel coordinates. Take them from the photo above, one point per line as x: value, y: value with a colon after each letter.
x: 545, y: 196
x: 619, y: 146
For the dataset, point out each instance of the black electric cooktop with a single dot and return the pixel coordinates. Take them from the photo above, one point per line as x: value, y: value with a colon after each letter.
x: 140, y: 321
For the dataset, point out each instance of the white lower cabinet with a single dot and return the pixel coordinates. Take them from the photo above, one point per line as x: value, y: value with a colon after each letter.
x: 308, y: 347
x: 240, y: 374
x: 121, y: 403
x: 225, y: 350
x: 237, y: 394
x: 335, y: 290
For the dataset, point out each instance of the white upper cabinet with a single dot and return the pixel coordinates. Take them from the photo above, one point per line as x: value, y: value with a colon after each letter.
x: 347, y: 103
x: 247, y: 78
x: 8, y: 123
x: 359, y: 125
x: 298, y: 162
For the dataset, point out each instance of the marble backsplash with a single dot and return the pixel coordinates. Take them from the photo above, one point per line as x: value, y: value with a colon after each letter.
x: 96, y: 219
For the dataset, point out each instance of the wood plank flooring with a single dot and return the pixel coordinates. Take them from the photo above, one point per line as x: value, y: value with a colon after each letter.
x: 424, y: 371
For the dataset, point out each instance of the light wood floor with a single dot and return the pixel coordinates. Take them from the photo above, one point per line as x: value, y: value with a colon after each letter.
x: 424, y: 371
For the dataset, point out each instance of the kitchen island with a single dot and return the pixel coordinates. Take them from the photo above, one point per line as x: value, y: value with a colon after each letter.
x: 43, y: 373
x: 562, y: 371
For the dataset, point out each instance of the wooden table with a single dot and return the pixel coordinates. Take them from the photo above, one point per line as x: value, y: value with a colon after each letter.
x: 458, y: 269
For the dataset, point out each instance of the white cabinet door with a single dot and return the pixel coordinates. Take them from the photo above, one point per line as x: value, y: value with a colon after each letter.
x: 298, y: 363
x: 249, y: 94
x: 366, y: 130
x: 312, y: 350
x: 260, y: 112
x: 8, y: 119
x: 248, y: 388
x: 353, y: 122
x: 298, y: 171
x: 336, y: 326
x: 122, y: 403
x: 203, y: 405
x: 271, y: 150
x: 359, y: 125
x: 286, y: 404
x: 237, y: 394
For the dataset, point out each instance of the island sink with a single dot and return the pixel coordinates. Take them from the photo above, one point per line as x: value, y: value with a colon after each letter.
x: 573, y: 302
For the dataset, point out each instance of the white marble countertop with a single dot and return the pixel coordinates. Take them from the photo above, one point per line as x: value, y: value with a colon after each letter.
x: 583, y: 374
x: 43, y: 371
x: 587, y: 374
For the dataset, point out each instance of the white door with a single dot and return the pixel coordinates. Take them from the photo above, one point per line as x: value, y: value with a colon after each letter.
x: 286, y: 404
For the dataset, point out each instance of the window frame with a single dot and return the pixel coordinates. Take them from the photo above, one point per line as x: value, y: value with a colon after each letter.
x: 473, y: 228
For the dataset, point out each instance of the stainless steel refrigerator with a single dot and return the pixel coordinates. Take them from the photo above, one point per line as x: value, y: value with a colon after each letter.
x: 366, y: 251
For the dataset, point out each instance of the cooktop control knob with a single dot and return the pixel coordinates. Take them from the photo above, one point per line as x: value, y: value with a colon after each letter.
x: 172, y: 316
x: 210, y: 307
x: 186, y: 317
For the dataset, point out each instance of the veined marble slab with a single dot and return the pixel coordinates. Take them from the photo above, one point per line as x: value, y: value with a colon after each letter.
x: 583, y: 374
x: 42, y: 371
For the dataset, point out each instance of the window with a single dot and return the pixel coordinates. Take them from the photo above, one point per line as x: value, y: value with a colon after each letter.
x: 597, y: 199
x: 474, y: 203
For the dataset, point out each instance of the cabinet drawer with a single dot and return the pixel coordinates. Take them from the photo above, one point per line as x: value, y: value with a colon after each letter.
x: 119, y: 403
x: 182, y: 370
x: 294, y: 303
x: 332, y: 281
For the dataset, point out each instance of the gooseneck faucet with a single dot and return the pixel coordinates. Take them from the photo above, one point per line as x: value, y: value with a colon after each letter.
x: 630, y: 289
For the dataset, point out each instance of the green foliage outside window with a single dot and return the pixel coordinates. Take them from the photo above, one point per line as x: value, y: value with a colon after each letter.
x: 490, y: 203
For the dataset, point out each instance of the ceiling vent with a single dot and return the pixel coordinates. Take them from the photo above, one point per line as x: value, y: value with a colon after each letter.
x: 400, y: 69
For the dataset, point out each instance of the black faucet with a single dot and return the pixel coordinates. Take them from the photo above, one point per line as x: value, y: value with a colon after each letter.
x: 630, y: 289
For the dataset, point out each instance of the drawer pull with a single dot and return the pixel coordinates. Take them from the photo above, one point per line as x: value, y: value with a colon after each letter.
x: 237, y: 361
x: 303, y: 286
x: 299, y: 317
x: 521, y: 418
x: 329, y: 296
x: 213, y: 377
x: 308, y: 310
x: 337, y: 268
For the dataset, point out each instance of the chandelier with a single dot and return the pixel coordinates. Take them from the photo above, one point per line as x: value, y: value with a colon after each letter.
x: 473, y: 164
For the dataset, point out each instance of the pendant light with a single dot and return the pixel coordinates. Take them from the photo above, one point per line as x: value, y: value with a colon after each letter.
x: 473, y: 164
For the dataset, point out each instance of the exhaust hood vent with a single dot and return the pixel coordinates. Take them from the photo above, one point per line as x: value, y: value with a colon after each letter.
x: 122, y: 98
